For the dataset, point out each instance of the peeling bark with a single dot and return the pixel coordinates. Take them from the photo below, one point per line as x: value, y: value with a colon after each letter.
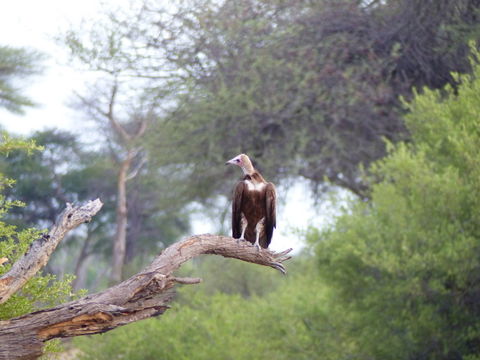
x: 144, y: 295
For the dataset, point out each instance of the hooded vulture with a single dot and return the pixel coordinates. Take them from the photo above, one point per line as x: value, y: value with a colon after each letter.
x: 254, y: 205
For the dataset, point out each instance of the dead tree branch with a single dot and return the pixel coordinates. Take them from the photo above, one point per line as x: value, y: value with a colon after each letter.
x: 144, y: 295
x: 39, y: 252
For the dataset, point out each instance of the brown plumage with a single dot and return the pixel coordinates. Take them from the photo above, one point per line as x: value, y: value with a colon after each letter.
x: 254, y: 205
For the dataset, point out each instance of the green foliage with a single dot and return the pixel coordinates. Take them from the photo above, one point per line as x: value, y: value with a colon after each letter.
x: 9, y: 144
x: 42, y: 290
x: 16, y: 64
x: 222, y: 275
x: 67, y: 172
x: 307, y: 88
x: 405, y: 265
x: 276, y: 325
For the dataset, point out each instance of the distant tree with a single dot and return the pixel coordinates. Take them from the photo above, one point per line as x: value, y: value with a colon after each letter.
x: 122, y: 108
x: 405, y: 265
x: 41, y: 177
x: 15, y: 65
x: 307, y: 88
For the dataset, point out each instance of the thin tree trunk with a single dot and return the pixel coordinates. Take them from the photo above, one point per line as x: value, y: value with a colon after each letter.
x: 79, y: 280
x: 120, y: 238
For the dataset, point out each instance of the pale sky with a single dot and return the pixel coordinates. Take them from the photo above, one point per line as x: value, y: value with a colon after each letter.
x: 34, y: 24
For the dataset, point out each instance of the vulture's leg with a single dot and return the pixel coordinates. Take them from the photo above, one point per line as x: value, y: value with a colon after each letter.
x: 244, y: 224
x: 258, y: 230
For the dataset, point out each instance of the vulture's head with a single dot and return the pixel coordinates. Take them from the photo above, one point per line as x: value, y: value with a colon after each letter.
x: 244, y: 162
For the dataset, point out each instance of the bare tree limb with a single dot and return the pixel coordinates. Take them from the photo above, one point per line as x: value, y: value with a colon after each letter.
x: 135, y: 171
x: 144, y: 295
x: 126, y: 137
x: 142, y: 128
x: 39, y: 252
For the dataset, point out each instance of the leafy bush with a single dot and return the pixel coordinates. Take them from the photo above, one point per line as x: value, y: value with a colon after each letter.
x: 406, y: 264
x: 42, y: 290
x: 222, y: 326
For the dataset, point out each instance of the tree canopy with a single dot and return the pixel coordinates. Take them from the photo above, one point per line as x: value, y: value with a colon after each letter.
x: 307, y: 88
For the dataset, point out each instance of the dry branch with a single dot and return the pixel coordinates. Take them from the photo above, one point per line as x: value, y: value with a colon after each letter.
x: 39, y: 252
x: 144, y: 295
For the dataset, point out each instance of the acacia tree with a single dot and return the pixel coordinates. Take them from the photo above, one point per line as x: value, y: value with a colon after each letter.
x: 309, y: 88
x: 123, y: 109
x: 126, y: 152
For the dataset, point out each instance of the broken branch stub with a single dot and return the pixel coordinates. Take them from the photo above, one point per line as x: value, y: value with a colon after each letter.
x: 41, y: 249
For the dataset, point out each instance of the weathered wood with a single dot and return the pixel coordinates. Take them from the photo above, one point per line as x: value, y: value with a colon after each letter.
x: 39, y: 252
x: 144, y: 295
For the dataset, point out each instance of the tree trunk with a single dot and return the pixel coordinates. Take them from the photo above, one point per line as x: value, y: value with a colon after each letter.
x: 120, y: 238
x: 143, y: 295
x: 79, y: 281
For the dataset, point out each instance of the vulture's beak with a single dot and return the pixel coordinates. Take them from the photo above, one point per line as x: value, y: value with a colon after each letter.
x: 230, y: 162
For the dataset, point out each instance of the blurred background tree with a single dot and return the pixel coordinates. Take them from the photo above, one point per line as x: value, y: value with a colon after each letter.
x: 16, y: 66
x: 310, y: 89
x: 124, y: 108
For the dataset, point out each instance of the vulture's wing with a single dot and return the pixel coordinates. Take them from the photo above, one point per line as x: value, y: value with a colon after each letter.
x: 237, y: 209
x: 270, y: 207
